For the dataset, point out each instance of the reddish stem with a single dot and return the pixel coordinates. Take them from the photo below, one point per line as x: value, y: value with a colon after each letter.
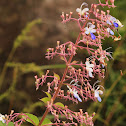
x: 60, y: 84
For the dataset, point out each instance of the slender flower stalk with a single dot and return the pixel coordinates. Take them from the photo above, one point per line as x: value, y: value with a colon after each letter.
x: 60, y: 84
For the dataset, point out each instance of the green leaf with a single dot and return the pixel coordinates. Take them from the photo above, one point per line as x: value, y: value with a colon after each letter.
x: 74, y: 62
x: 49, y: 95
x: 57, y: 76
x: 62, y: 58
x: 45, y: 99
x: 32, y: 119
x: 47, y: 50
x: 46, y: 121
x: 59, y: 104
x: 10, y: 124
x: 2, y: 124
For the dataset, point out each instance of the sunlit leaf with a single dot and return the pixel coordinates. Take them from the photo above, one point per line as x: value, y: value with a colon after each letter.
x: 10, y: 124
x: 49, y: 95
x: 74, y: 62
x: 45, y: 99
x: 47, y: 50
x: 57, y: 76
x: 2, y: 124
x: 59, y: 104
x: 46, y: 121
x: 32, y: 119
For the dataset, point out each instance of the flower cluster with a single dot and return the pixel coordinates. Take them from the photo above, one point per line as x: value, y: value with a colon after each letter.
x: 81, y: 117
x: 78, y: 81
x: 77, y: 76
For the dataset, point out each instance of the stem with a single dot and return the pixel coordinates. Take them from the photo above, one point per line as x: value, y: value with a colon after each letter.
x: 2, y: 76
x: 61, y: 82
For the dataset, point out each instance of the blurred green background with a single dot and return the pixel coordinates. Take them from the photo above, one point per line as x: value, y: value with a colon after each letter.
x: 27, y: 29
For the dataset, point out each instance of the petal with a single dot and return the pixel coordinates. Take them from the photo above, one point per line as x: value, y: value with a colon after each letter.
x: 89, y: 24
x: 100, y: 92
x: 78, y: 10
x: 92, y: 26
x: 91, y: 65
x: 103, y: 65
x: 96, y: 93
x: 89, y: 69
x: 90, y: 74
x: 113, y: 18
x: 93, y: 31
x: 93, y: 36
x: 82, y: 12
x: 79, y: 99
x: 87, y: 63
x: 111, y: 32
x: 75, y: 95
x: 99, y: 99
x: 108, y: 22
x: 84, y: 3
x: 115, y: 24
x: 108, y: 29
x: 119, y: 23
x: 85, y: 9
x: 87, y: 32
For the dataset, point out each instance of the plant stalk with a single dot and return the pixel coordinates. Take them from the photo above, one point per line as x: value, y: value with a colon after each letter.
x: 61, y: 82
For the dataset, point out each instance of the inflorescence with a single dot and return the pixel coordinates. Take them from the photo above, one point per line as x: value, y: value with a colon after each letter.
x: 77, y: 80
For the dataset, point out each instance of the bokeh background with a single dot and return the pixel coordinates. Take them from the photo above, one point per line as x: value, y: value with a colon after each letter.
x: 27, y: 29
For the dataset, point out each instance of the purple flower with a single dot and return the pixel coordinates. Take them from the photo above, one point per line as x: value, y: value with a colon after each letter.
x: 90, y: 30
x: 75, y: 93
x: 97, y: 92
x: 112, y: 20
x: 110, y: 31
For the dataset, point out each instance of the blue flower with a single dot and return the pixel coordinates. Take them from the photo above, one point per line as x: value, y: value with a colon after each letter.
x: 112, y: 20
x: 119, y: 23
x: 116, y: 24
x: 103, y: 65
x: 110, y: 31
x: 90, y: 30
x: 99, y: 99
x: 75, y: 93
x: 93, y: 36
x: 77, y: 96
x: 97, y: 92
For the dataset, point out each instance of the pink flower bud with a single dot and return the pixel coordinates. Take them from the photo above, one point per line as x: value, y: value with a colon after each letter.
x: 112, y: 1
x: 71, y: 13
x: 106, y: 2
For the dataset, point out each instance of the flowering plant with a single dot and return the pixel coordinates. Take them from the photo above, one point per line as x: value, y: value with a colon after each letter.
x: 76, y: 81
